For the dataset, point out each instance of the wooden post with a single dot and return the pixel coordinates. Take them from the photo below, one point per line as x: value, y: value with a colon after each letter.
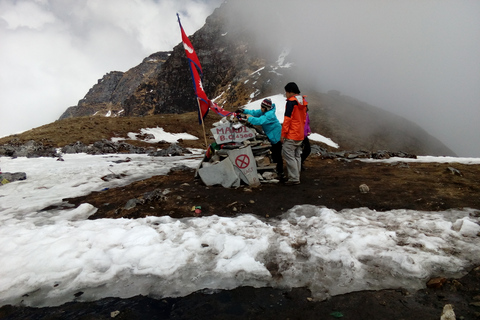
x: 203, y: 124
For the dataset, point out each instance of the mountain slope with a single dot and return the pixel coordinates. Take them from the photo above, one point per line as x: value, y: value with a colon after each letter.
x: 356, y: 125
x: 238, y: 71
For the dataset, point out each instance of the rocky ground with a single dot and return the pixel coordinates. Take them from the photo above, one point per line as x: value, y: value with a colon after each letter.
x: 333, y: 183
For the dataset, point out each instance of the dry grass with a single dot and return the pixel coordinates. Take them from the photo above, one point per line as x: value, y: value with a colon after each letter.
x: 91, y: 129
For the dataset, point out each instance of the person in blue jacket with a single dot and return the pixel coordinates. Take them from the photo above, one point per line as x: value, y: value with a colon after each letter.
x: 266, y: 118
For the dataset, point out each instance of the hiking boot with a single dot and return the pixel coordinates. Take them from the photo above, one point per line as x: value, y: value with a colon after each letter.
x: 291, y: 182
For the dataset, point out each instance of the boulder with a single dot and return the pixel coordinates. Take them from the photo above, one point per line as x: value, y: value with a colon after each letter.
x: 6, y: 177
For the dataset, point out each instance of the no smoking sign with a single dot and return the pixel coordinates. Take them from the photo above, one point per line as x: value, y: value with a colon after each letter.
x: 242, y: 161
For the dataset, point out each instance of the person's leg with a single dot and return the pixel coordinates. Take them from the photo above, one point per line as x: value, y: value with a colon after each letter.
x: 298, y: 156
x: 306, y: 150
x: 277, y: 157
x: 289, y: 151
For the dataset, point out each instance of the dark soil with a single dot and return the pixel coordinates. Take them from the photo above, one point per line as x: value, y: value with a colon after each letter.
x: 331, y: 183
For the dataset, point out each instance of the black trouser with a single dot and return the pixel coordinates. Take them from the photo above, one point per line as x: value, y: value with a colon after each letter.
x: 277, y: 156
x: 306, y: 149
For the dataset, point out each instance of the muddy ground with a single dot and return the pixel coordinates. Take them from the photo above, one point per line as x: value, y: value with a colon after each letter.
x: 325, y: 182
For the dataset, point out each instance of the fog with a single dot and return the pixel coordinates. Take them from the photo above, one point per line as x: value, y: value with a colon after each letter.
x: 53, y: 51
x: 418, y: 59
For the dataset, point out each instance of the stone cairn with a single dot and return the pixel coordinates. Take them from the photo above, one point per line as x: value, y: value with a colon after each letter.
x: 234, y: 140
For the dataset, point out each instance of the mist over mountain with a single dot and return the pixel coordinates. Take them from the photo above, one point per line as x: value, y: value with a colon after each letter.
x: 243, y: 62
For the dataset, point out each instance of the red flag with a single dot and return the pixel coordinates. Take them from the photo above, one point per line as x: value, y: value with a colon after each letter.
x: 204, y: 104
x: 189, y: 51
x: 219, y: 110
x: 194, y: 63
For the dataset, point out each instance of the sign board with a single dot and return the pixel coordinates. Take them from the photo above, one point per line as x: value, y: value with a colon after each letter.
x: 244, y: 162
x: 225, y: 134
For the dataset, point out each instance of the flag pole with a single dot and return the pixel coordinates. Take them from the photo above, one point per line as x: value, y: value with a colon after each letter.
x: 203, y: 124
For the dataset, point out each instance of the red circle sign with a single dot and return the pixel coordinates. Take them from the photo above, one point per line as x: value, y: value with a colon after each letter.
x: 242, y: 161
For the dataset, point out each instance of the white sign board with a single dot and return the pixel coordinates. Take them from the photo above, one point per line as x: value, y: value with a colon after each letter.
x: 244, y: 161
x: 225, y: 134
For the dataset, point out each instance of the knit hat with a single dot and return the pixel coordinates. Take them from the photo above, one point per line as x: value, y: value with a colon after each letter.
x: 267, y: 104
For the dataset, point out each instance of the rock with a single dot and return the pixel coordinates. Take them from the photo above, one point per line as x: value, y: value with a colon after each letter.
x: 448, y: 313
x: 181, y: 168
x: 172, y: 150
x: 33, y: 149
x: 145, y: 136
x: 30, y: 149
x: 11, y: 177
x: 262, y: 161
x: 111, y: 176
x: 380, y: 155
x: 113, y: 314
x: 454, y: 171
x: 77, y: 147
x: 364, y: 188
x: 269, y: 175
x: 111, y: 92
x: 436, y: 283
x: 132, y: 203
x: 155, y: 195
x: 360, y: 154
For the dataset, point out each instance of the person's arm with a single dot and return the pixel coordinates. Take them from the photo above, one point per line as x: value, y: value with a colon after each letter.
x: 255, y: 113
x: 287, y: 119
x: 257, y: 121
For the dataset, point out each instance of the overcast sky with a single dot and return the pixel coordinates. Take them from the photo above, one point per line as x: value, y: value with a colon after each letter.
x: 53, y: 51
x: 417, y: 58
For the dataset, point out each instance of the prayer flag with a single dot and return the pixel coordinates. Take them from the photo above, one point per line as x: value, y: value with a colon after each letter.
x: 197, y: 74
x: 204, y: 104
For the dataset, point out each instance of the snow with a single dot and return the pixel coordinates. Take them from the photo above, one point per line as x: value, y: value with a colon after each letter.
x: 49, y: 255
x: 281, y: 59
x: 257, y: 71
x: 429, y: 159
x: 319, y: 138
x: 159, y: 135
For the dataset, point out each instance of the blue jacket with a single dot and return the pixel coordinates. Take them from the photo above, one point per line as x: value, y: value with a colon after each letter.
x: 269, y: 122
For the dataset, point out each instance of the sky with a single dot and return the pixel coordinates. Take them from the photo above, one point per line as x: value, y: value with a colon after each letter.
x: 48, y: 256
x: 53, y: 51
x: 418, y: 59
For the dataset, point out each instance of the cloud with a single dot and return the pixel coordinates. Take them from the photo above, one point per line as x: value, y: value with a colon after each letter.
x: 418, y: 59
x: 53, y: 51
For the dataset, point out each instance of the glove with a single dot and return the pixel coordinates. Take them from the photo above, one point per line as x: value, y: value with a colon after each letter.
x: 239, y: 111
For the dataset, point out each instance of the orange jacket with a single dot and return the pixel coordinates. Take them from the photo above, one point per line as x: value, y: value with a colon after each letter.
x: 294, y: 120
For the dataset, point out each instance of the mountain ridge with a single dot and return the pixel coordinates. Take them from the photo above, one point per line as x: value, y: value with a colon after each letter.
x: 238, y: 71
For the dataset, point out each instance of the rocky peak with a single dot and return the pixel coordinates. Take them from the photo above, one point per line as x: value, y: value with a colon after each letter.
x: 107, y: 97
x: 236, y: 71
x: 162, y: 82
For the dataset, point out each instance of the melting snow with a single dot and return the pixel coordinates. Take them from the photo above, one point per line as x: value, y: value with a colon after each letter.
x: 47, y: 256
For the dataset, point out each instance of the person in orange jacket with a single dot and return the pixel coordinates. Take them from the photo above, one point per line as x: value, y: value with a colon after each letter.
x: 293, y: 132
